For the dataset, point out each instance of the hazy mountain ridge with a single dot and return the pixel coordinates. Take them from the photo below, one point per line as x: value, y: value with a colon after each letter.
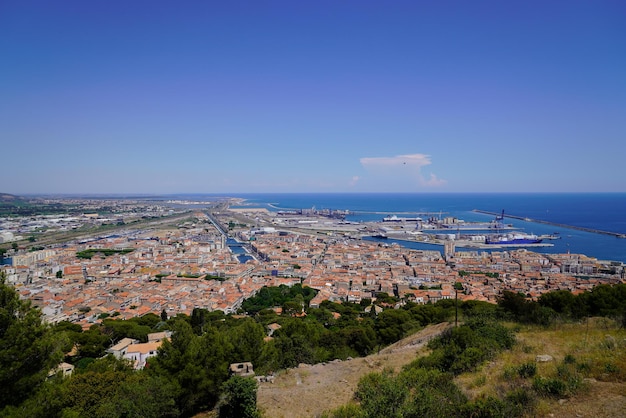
x: 9, y: 198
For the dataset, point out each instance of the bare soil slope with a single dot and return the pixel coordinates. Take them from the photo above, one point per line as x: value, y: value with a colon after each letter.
x: 599, y: 399
x: 309, y: 390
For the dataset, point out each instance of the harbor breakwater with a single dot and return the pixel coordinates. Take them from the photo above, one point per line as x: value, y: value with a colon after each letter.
x: 540, y: 221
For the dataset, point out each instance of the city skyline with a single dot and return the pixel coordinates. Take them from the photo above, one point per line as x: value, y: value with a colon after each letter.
x: 117, y: 98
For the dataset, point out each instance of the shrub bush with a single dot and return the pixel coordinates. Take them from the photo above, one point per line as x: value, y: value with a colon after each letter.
x: 549, y: 386
x: 569, y: 359
x: 527, y: 370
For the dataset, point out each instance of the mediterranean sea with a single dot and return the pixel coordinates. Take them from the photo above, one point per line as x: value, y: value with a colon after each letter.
x: 600, y: 211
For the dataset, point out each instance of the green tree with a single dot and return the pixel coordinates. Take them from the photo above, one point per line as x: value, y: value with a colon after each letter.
x: 362, y: 339
x: 149, y: 320
x: 197, y: 364
x: 68, y: 326
x: 91, y: 343
x: 381, y: 395
x: 515, y: 304
x: 247, y: 341
x: 292, y: 307
x: 108, y: 387
x: 239, y: 398
x: 28, y: 348
x: 561, y: 301
x: 606, y: 300
x: 118, y: 329
x: 141, y: 395
x: 392, y: 324
x: 199, y: 320
x: 383, y: 297
x: 47, y: 402
x: 85, y: 392
x: 270, y: 360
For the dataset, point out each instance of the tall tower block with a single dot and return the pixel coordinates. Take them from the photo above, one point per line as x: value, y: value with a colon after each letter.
x: 448, y: 250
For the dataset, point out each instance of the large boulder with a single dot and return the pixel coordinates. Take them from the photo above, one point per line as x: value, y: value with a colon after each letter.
x: 543, y: 358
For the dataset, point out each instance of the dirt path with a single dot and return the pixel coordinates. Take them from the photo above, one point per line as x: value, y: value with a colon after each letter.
x: 309, y: 390
x: 600, y: 399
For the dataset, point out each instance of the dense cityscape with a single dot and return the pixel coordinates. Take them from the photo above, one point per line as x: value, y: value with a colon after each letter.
x: 189, y: 264
x: 312, y: 209
x: 101, y: 267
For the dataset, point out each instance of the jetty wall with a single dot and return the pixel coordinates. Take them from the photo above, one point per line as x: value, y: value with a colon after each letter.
x: 540, y: 221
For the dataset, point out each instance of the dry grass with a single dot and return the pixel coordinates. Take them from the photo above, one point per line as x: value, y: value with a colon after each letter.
x: 592, y: 353
x: 309, y: 390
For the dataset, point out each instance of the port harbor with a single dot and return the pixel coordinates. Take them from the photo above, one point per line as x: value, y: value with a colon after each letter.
x: 435, y: 229
x: 450, y: 223
x: 476, y: 241
x: 438, y: 230
x: 540, y: 221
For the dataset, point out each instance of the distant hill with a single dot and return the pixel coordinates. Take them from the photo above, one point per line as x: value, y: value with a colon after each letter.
x: 11, y: 204
x: 9, y: 198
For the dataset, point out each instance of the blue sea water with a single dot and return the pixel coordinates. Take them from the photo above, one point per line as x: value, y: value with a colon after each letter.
x: 602, y: 211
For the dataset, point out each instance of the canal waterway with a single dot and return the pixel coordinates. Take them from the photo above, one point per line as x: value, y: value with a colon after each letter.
x: 238, y: 249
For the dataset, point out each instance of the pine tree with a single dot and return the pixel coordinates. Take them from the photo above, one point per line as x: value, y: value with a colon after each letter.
x: 28, y: 348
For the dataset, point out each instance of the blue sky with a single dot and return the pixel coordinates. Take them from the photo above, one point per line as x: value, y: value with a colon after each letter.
x: 324, y: 96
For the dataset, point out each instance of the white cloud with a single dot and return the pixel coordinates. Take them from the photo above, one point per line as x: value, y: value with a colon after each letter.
x: 433, y: 181
x: 402, y: 168
x: 354, y: 181
x: 412, y: 160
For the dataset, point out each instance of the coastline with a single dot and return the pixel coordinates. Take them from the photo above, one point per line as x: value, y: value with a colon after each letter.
x: 571, y: 215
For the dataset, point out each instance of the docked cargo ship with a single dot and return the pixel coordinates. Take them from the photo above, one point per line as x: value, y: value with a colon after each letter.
x: 513, y: 239
x: 395, y: 218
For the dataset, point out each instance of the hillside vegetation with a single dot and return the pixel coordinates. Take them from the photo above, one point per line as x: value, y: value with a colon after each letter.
x: 491, y: 366
x: 495, y: 344
x: 569, y: 369
x: 587, y: 376
x: 297, y: 392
